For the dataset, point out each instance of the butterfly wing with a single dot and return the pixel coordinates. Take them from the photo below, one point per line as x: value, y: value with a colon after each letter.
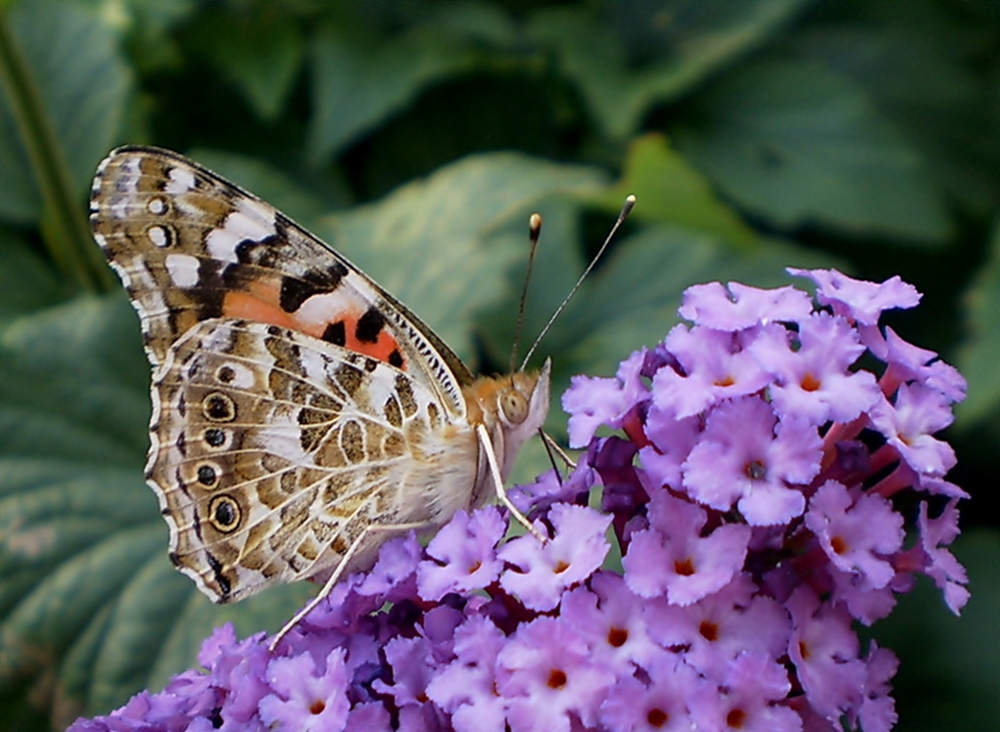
x: 273, y: 450
x: 190, y: 246
x: 294, y: 401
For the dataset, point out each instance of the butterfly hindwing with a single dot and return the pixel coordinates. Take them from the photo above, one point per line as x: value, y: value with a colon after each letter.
x: 272, y: 450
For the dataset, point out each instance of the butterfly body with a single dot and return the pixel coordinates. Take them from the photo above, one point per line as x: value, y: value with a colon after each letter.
x: 301, y: 415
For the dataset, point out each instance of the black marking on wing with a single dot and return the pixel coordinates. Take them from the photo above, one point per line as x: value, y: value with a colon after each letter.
x: 336, y: 333
x: 369, y: 326
x: 296, y: 290
x: 223, y: 581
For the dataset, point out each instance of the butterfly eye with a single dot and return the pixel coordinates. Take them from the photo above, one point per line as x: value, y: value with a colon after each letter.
x: 514, y: 406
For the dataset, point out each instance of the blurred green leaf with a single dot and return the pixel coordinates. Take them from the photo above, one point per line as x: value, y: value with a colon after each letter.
x: 259, y: 48
x: 83, y: 83
x: 671, y: 191
x: 149, y: 25
x: 27, y: 282
x: 278, y: 189
x: 88, y: 598
x: 799, y: 144
x: 978, y: 357
x: 430, y: 242
x: 922, y: 66
x: 360, y: 77
x: 626, y: 57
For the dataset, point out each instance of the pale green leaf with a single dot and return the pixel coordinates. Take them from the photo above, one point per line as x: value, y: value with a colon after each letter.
x: 668, y: 189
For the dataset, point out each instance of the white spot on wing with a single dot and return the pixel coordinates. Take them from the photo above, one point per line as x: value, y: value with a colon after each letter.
x: 314, y: 365
x: 156, y: 206
x: 319, y: 310
x: 181, y: 181
x: 251, y: 220
x: 157, y: 235
x: 381, y: 386
x: 183, y: 269
x: 359, y: 283
x: 284, y: 440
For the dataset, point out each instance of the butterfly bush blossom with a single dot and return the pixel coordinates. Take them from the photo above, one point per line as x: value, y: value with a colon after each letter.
x: 747, y: 470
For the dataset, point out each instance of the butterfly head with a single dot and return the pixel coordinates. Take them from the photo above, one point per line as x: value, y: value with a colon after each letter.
x: 512, y: 408
x: 523, y: 404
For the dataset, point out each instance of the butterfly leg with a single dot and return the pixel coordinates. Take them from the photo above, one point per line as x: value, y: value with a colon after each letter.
x: 355, y: 547
x: 491, y: 458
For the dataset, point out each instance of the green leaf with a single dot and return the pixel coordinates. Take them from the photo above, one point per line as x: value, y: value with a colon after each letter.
x: 626, y: 57
x: 799, y: 144
x: 949, y: 674
x: 150, y: 26
x: 75, y: 63
x: 261, y: 51
x: 668, y: 189
x: 88, y: 599
x: 26, y: 281
x: 361, y: 77
x: 432, y: 243
x: 978, y: 357
x: 921, y: 65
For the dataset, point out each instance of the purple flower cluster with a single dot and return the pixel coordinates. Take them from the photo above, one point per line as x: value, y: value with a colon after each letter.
x: 747, y: 470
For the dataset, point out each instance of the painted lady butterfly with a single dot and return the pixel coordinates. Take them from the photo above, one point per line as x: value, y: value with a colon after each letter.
x: 301, y: 415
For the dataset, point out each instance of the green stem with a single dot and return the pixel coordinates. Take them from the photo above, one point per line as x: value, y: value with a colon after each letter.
x: 64, y: 226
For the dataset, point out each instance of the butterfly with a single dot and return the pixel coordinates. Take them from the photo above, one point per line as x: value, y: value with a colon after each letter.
x: 301, y: 415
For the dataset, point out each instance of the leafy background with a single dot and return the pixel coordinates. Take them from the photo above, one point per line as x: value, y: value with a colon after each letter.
x: 416, y: 137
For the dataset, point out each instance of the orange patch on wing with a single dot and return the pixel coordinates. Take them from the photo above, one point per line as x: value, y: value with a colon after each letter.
x: 261, y: 305
x: 247, y: 306
x: 381, y: 349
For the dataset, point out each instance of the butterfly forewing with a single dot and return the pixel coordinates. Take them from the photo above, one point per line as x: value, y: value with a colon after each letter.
x: 190, y: 246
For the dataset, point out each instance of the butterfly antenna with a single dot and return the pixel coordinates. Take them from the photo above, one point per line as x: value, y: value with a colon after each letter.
x: 534, y: 231
x: 622, y: 215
